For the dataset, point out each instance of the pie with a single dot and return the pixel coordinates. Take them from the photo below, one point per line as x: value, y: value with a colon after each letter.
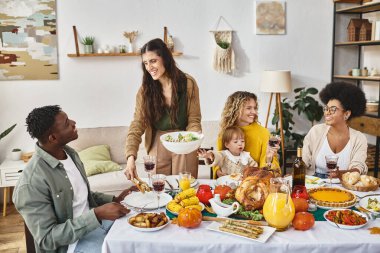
x: 332, y: 197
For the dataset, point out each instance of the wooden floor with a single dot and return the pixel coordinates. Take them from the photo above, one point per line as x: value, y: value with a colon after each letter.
x: 12, y: 237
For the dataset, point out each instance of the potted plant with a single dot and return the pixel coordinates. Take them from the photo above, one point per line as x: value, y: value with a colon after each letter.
x: 304, y: 104
x: 88, y: 43
x: 7, y: 131
x: 16, y: 154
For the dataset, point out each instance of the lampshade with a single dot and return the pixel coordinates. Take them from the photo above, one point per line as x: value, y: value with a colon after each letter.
x: 276, y: 81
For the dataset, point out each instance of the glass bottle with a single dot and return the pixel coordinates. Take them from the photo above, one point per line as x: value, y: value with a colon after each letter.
x: 299, y: 169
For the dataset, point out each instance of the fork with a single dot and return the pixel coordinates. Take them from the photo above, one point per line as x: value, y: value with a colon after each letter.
x: 138, y: 209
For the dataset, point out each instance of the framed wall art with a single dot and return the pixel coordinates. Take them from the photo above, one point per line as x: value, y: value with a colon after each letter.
x: 28, y: 40
x: 270, y: 17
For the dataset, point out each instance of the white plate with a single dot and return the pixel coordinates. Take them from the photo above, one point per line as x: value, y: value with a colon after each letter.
x: 172, y: 180
x: 346, y: 226
x: 268, y: 231
x: 149, y: 229
x: 227, y: 180
x: 175, y: 213
x: 147, y: 200
x: 364, y: 202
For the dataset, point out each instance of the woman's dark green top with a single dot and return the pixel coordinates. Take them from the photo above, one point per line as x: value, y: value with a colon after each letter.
x: 164, y: 123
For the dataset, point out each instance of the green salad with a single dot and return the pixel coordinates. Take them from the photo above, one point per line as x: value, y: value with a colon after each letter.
x: 373, y: 204
x: 252, y: 215
x: 182, y: 138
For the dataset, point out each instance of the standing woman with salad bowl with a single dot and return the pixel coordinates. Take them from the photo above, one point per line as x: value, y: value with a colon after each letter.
x: 167, y: 101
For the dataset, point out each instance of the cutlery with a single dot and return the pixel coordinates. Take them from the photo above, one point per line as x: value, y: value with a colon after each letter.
x: 252, y: 222
x: 209, y: 209
x: 171, y: 186
x: 369, y: 214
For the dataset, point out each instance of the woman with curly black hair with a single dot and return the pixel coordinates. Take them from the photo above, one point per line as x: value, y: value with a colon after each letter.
x: 343, y: 101
x: 168, y: 100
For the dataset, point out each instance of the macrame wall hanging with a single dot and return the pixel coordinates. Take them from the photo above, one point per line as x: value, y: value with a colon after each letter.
x: 224, y: 56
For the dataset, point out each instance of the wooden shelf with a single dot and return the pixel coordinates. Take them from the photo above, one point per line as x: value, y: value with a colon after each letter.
x: 359, y: 43
x: 364, y: 78
x: 348, y: 1
x: 371, y: 114
x: 115, y: 54
x: 365, y: 8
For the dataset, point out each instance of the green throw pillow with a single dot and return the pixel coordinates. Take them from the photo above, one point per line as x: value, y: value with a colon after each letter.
x: 97, y: 159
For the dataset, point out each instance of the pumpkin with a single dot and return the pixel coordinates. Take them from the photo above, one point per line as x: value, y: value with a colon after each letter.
x: 189, y: 218
x: 222, y: 190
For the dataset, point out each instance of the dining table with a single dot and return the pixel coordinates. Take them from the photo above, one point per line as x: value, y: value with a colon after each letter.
x: 322, y: 237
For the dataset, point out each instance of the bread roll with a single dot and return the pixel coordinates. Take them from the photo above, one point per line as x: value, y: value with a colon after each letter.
x: 368, y: 180
x: 351, y: 177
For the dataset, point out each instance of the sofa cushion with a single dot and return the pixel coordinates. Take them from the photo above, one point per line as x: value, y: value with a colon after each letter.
x: 112, y: 136
x: 97, y: 159
x: 112, y: 183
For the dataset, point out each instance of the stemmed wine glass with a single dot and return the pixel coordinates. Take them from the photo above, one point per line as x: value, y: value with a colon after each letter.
x: 149, y: 164
x: 274, y: 140
x: 331, y: 163
x: 158, y: 181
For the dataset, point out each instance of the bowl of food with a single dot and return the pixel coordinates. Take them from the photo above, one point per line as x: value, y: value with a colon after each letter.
x: 183, y: 142
x: 345, y: 218
x: 148, y: 222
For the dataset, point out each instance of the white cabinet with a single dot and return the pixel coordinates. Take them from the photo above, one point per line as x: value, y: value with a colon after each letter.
x: 10, y: 172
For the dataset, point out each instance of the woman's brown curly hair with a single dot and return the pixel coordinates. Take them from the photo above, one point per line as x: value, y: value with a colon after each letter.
x: 233, y: 108
x: 154, y: 102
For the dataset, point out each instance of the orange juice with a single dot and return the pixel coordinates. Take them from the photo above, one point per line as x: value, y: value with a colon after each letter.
x: 184, y: 183
x: 277, y: 212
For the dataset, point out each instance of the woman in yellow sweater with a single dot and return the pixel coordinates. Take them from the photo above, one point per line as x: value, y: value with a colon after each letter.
x: 240, y: 110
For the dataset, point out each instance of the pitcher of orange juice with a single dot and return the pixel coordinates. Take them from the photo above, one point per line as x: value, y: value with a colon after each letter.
x: 184, y: 180
x: 278, y: 207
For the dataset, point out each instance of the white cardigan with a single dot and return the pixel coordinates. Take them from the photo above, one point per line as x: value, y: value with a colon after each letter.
x: 314, y: 140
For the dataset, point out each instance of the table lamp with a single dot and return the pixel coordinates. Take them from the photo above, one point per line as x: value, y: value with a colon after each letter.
x: 276, y: 82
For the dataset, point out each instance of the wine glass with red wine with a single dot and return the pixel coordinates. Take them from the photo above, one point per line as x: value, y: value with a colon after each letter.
x: 331, y: 163
x: 274, y: 140
x: 149, y: 164
x: 158, y: 182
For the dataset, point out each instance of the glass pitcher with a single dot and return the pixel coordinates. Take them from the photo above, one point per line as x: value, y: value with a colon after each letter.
x: 278, y: 207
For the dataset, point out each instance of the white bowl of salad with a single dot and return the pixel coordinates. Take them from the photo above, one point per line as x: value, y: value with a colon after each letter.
x: 183, y: 142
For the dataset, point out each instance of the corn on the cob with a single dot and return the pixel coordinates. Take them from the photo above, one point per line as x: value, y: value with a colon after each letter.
x: 199, y: 207
x: 174, y: 207
x: 185, y: 194
x: 190, y: 201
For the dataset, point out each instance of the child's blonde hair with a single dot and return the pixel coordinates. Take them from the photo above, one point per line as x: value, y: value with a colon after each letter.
x: 229, y: 133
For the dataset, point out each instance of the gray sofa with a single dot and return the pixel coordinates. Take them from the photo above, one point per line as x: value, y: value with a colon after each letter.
x: 114, y: 182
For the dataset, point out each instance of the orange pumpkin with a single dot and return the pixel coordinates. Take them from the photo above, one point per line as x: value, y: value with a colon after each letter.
x: 189, y: 218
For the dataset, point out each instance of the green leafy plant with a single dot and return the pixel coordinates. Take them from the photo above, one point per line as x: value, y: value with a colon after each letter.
x: 6, y: 132
x: 88, y: 40
x: 223, y: 44
x: 304, y: 104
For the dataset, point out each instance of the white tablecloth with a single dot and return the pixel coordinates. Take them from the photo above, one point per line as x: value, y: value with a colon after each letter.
x: 322, y: 238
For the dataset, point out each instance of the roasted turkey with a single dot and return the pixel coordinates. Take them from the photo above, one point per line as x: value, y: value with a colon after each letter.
x: 254, y: 189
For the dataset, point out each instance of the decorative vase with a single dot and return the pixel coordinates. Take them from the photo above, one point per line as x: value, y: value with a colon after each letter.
x: 88, y: 49
x: 130, y: 47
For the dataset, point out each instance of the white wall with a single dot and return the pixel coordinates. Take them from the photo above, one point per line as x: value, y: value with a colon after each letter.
x: 100, y: 91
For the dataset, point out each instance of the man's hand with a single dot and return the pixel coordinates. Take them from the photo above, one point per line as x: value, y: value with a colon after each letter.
x: 110, y: 211
x: 125, y: 193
